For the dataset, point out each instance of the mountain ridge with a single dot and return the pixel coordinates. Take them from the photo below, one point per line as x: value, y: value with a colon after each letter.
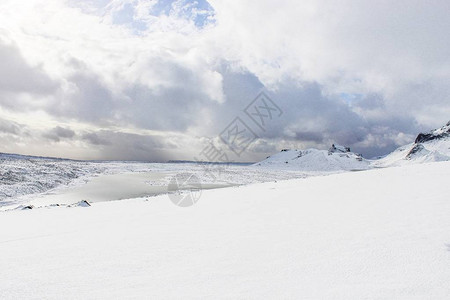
x: 428, y: 147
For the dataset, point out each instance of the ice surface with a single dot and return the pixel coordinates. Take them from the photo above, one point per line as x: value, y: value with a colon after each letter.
x: 25, y: 180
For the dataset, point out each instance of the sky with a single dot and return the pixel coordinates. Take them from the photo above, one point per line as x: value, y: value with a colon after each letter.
x: 160, y: 80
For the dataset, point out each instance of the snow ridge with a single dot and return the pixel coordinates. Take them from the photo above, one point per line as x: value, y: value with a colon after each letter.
x: 337, y: 158
x: 428, y: 147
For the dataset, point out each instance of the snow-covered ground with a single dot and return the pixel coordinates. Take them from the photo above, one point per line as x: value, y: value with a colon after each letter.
x: 26, y: 180
x: 377, y: 234
x: 277, y: 231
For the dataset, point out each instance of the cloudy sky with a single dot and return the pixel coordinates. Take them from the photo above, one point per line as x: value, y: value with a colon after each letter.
x: 160, y: 79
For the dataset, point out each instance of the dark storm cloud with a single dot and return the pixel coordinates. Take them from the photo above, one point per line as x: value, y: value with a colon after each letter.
x: 174, y: 104
x: 310, y: 116
x: 17, y: 76
x: 368, y: 102
x: 90, y: 100
x: 94, y: 139
x: 128, y: 146
x: 173, y: 108
x: 11, y: 127
x: 172, y: 79
x: 309, y: 136
x: 58, y: 133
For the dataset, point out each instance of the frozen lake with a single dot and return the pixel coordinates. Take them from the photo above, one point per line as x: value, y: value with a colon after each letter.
x: 43, y: 182
x: 117, y: 187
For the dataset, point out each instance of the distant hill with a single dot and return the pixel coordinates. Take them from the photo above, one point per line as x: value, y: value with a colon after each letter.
x: 427, y: 147
x: 337, y: 158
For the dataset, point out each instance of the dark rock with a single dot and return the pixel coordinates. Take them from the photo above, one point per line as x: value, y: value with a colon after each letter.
x: 339, y: 149
x: 433, y: 135
x: 85, y: 202
x: 414, y: 150
x: 425, y: 137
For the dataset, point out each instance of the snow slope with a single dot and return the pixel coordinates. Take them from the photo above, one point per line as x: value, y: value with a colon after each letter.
x: 359, y: 235
x: 428, y: 147
x: 337, y: 158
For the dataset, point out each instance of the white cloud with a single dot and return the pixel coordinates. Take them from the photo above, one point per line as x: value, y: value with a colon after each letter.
x: 185, y: 70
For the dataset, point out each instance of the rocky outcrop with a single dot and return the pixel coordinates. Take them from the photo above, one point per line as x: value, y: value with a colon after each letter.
x: 431, y: 146
x: 338, y: 149
x: 417, y: 148
x: 434, y: 135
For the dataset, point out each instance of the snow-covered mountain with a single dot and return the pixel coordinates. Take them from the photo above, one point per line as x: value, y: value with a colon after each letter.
x: 337, y: 158
x: 24, y: 175
x: 428, y: 147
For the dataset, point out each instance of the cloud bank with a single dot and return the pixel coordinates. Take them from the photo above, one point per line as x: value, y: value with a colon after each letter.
x: 155, y: 80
